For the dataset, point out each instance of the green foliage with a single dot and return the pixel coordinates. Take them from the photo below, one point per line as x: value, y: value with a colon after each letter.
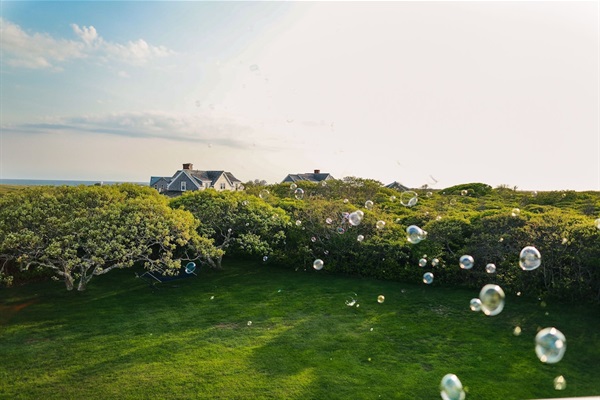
x: 472, y: 189
x: 81, y: 232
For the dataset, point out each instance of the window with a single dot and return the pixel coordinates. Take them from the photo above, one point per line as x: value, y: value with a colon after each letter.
x: 222, y: 186
x: 183, y: 186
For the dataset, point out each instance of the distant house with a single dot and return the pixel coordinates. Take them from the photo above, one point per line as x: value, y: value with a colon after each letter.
x: 316, y: 176
x: 190, y: 179
x: 397, y: 186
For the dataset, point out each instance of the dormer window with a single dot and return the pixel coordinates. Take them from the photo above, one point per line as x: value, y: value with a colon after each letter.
x: 183, y: 186
x: 222, y: 186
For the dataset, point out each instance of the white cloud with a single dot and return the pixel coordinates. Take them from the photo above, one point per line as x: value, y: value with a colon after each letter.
x: 42, y: 51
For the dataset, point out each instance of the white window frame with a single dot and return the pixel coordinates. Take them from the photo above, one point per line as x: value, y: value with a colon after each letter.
x: 183, y: 186
x: 223, y: 186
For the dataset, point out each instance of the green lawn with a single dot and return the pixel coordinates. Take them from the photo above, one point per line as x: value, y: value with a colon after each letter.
x: 192, y: 339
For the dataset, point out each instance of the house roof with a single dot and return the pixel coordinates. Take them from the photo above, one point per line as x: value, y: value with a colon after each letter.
x: 155, y: 179
x: 396, y: 185
x: 311, y: 177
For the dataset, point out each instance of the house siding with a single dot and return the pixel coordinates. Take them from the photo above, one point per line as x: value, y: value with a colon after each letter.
x: 175, y: 184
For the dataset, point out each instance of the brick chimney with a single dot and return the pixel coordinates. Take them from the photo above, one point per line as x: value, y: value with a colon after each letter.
x: 188, y: 166
x: 317, y: 171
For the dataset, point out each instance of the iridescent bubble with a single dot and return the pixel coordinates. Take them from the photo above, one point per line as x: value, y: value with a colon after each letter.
x: 435, y: 262
x: 427, y: 278
x: 530, y: 258
x: 368, y: 204
x: 340, y: 230
x: 475, y: 304
x: 492, y: 299
x: 466, y: 262
x: 299, y: 194
x: 550, y: 345
x: 515, y: 212
x: 380, y: 224
x: 451, y: 388
x: 560, y: 383
x: 265, y: 258
x: 298, y: 223
x: 318, y: 264
x: 360, y: 238
x: 409, y: 198
x: 293, y: 186
x: 263, y: 194
x: 190, y: 268
x: 328, y: 221
x: 422, y: 262
x: 414, y: 234
x: 355, y: 218
x: 313, y: 239
x: 392, y: 198
x: 380, y: 298
x: 490, y: 268
x: 517, y: 331
x: 464, y: 192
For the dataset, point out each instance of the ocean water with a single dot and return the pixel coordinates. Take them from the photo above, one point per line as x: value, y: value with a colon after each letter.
x: 48, y: 182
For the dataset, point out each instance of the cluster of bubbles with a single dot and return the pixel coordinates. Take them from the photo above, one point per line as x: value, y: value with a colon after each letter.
x: 451, y: 388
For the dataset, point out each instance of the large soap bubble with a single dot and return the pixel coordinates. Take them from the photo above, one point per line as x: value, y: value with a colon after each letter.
x: 530, y: 258
x: 492, y: 299
x: 409, y: 198
x: 550, y: 345
x: 299, y: 193
x: 428, y: 278
x: 414, y: 234
x: 466, y: 262
x: 368, y: 204
x: 318, y: 264
x: 355, y: 218
x: 451, y: 388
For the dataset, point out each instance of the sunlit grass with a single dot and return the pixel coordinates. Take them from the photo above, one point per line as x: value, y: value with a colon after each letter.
x: 191, y: 339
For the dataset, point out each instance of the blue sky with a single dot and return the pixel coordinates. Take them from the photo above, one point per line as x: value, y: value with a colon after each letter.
x: 494, y: 92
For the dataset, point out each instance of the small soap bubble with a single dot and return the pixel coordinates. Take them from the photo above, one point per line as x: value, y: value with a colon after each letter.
x: 318, y: 264
x: 328, y: 221
x: 245, y: 202
x: 264, y: 194
x: 466, y: 262
x: 249, y: 323
x: 293, y: 186
x: 299, y: 194
x: 351, y: 301
x: 360, y: 238
x: 475, y: 304
x: 438, y: 218
x: 298, y: 223
x: 313, y: 239
x: 212, y: 297
x: 564, y: 240
x: 409, y: 198
x: 371, y: 329
x: 492, y: 299
x: 515, y: 212
x: 355, y: 218
x: 435, y: 262
x: 464, y: 192
x: 530, y: 258
x: 534, y: 194
x: 422, y: 262
x: 380, y: 298
x: 345, y: 201
x: 265, y: 258
x: 490, y: 268
x: 323, y: 183
x: 518, y: 293
x: 501, y: 240
x: 429, y: 194
x: 368, y: 204
x: 428, y: 278
x: 326, y: 252
x: 451, y: 388
x: 517, y: 331
x: 414, y: 234
x: 340, y: 230
x: 550, y: 345
x: 380, y: 224
x: 392, y: 198
x: 597, y: 223
x: 560, y: 383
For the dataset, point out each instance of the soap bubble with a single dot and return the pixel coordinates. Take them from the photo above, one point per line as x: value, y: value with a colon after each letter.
x: 515, y: 212
x: 245, y: 202
x: 190, y: 267
x: 318, y: 264
x: 414, y: 234
x: 263, y: 194
x: 293, y: 186
x: 475, y: 304
x: 299, y: 193
x: 597, y: 223
x: 560, y: 383
x: 345, y: 201
x: 517, y: 331
x: 249, y: 323
x: 265, y: 258
x: 298, y: 223
x: 355, y: 218
x: 530, y: 258
x: 429, y: 194
x: 550, y: 345
x: 351, y: 301
x: 435, y: 262
x: 392, y: 198
x: 451, y: 388
x: 328, y: 221
x: 323, y: 183
x: 368, y: 204
x: 564, y: 240
x: 490, y: 268
x: 422, y: 262
x: 360, y: 238
x: 466, y: 262
x: 380, y: 298
x: 492, y: 299
x: 313, y: 239
x: 380, y: 224
x: 464, y: 192
x: 409, y: 198
x: 427, y: 278
x: 501, y: 240
x: 340, y: 230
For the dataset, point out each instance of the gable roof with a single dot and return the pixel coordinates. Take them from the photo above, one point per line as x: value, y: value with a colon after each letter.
x: 213, y: 176
x: 311, y: 177
x: 155, y: 179
x: 396, y: 185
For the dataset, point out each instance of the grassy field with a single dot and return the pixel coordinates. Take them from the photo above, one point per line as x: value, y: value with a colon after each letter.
x: 255, y: 331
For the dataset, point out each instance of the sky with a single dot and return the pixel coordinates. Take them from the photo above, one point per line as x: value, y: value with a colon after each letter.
x: 423, y: 93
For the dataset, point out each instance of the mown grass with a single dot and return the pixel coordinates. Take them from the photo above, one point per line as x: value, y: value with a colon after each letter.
x: 191, y: 339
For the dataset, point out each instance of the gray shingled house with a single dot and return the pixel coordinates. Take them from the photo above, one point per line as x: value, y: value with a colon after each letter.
x: 190, y: 179
x: 316, y: 176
